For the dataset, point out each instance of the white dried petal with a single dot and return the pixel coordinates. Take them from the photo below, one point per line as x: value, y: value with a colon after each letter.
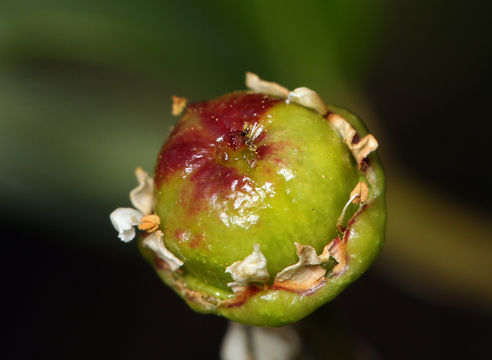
x: 142, y: 197
x: 307, y: 98
x: 252, y: 269
x: 155, y: 243
x: 256, y: 84
x: 361, y: 149
x: 123, y: 220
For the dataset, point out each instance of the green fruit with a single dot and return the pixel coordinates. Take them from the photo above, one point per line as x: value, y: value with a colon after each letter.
x: 244, y: 184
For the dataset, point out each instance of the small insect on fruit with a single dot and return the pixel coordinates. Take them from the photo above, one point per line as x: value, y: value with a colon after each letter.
x: 265, y: 204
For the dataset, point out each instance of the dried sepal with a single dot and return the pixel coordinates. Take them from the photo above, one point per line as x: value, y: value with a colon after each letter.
x: 250, y: 270
x: 179, y: 104
x: 155, y: 243
x: 149, y: 223
x: 142, y: 197
x: 307, y: 98
x: 306, y: 274
x: 358, y: 196
x: 302, y: 95
x: 360, y: 193
x: 346, y: 131
x: 207, y: 302
x: 306, y: 278
x: 363, y: 148
x: 256, y: 84
x: 124, y: 220
x: 336, y: 250
x: 360, y: 148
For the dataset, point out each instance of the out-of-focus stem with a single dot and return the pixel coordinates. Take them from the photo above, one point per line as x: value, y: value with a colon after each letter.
x: 243, y: 342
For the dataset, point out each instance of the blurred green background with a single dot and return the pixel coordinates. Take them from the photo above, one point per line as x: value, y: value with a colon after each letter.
x: 85, y: 93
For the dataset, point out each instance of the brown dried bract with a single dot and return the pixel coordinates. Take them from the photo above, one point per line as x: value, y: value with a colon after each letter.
x: 305, y: 275
x: 358, y: 196
x: 149, y: 223
x: 360, y: 148
x: 306, y: 279
x: 363, y: 148
x: 179, y: 104
x: 343, y: 127
x: 337, y: 251
x: 206, y: 302
x: 360, y: 193
x: 242, y: 295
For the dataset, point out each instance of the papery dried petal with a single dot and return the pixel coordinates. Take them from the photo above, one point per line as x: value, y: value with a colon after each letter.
x: 307, y: 98
x: 252, y: 269
x: 307, y: 256
x: 343, y: 127
x: 307, y: 273
x: 142, y: 197
x: 256, y: 84
x: 362, y: 147
x: 123, y: 220
x: 155, y: 243
x: 358, y: 195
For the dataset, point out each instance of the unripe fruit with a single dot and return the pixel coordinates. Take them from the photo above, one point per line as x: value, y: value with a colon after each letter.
x: 270, y: 208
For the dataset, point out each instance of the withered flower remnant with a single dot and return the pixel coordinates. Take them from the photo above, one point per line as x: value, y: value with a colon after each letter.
x: 265, y: 204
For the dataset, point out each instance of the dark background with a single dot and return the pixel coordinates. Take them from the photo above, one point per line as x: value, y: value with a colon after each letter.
x: 85, y: 97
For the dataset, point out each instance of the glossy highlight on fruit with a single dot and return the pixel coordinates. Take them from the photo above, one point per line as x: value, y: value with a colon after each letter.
x: 267, y: 204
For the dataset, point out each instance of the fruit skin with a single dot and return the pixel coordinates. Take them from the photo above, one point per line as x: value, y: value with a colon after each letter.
x: 221, y: 190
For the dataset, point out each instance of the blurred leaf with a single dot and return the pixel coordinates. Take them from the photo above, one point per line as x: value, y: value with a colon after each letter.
x: 320, y: 44
x: 436, y: 248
